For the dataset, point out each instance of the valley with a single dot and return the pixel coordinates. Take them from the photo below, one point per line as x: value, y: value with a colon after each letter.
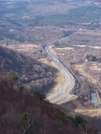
x: 54, y: 47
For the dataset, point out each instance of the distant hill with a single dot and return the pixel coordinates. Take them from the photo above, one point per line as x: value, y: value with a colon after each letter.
x: 27, y: 69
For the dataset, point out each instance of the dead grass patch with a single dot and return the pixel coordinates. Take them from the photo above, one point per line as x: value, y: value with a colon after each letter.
x: 65, y: 48
x: 52, y: 50
x: 92, y: 112
x: 24, y: 47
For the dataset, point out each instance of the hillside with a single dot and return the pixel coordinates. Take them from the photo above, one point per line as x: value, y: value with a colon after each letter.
x: 27, y: 69
x: 22, y: 113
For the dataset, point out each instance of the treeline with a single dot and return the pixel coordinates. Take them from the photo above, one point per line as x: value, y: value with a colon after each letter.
x: 93, y: 58
x: 57, y: 44
x: 12, y: 36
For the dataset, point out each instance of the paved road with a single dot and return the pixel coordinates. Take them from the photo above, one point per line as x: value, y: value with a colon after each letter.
x: 62, y: 95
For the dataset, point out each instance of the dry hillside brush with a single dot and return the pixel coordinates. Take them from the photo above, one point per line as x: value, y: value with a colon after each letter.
x: 27, y: 69
x: 22, y: 113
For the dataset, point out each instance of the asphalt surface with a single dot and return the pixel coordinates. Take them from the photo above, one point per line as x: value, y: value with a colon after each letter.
x: 61, y: 95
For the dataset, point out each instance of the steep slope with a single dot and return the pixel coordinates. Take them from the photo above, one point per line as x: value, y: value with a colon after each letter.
x: 25, y: 114
x: 28, y: 70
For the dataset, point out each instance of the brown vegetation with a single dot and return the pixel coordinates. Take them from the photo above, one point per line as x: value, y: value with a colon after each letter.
x: 24, y: 113
x: 28, y: 70
x: 59, y: 78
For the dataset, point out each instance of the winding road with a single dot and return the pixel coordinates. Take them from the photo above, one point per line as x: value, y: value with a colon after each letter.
x: 61, y: 95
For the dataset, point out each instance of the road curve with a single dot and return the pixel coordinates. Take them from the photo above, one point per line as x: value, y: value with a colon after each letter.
x: 62, y: 95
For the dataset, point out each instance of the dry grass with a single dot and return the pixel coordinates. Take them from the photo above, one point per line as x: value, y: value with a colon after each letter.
x: 92, y: 112
x: 79, y: 68
x: 59, y: 76
x: 24, y: 47
x: 65, y: 48
x: 52, y: 50
x: 74, y: 97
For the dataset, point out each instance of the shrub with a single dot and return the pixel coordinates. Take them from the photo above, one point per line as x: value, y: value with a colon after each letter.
x: 12, y: 76
x: 63, y: 118
x: 41, y: 96
x: 80, y: 121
